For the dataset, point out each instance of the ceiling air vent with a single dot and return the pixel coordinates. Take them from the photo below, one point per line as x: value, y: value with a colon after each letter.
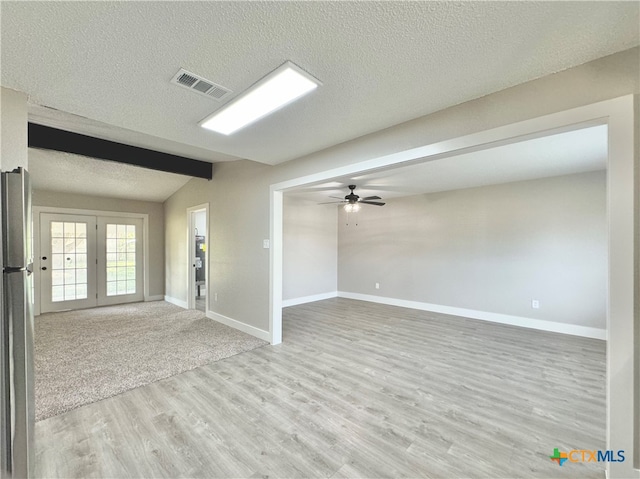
x: 200, y: 85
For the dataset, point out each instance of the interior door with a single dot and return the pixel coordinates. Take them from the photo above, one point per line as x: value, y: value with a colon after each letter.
x: 120, y: 260
x: 67, y: 262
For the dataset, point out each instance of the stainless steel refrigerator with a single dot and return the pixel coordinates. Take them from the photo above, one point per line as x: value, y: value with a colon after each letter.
x: 16, y: 361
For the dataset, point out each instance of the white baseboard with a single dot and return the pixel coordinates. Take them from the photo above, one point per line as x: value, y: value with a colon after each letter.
x: 177, y: 302
x: 157, y: 297
x: 308, y: 299
x: 245, y: 328
x: 572, y: 329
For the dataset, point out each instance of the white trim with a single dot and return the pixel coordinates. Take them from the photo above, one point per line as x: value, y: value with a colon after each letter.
x: 157, y: 297
x: 177, y: 302
x: 308, y: 299
x: 531, y: 323
x: 191, y: 252
x: 147, y: 261
x: 275, y: 264
x: 240, y: 326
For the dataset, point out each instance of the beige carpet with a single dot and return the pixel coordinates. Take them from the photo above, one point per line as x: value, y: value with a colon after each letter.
x: 87, y: 355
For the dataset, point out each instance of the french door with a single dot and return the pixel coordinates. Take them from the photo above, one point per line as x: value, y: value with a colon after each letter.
x: 88, y: 261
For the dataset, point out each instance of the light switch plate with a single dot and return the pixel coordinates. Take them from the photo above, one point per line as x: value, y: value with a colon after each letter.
x: 265, y: 244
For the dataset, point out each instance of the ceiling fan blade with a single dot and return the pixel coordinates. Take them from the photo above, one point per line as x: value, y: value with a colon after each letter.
x: 332, y: 202
x: 376, y: 203
x: 337, y: 197
x: 370, y: 198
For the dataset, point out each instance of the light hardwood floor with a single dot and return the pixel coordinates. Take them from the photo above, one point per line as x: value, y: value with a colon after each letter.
x: 355, y: 390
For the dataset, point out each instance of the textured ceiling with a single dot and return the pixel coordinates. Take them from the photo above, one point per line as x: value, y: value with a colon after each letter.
x: 381, y: 63
x: 561, y: 154
x: 64, y: 172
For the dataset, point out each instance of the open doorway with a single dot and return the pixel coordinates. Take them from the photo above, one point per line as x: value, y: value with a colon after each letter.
x: 198, y: 236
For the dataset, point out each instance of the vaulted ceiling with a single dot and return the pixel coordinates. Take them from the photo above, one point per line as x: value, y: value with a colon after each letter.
x: 104, y: 67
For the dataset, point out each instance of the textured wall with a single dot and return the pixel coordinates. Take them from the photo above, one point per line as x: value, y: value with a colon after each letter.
x: 156, y: 224
x: 310, y: 256
x: 490, y: 249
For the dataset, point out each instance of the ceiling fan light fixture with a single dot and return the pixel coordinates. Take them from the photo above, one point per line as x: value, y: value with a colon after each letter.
x: 352, y: 207
x: 279, y: 88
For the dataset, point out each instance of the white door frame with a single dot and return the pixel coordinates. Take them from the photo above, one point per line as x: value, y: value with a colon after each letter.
x: 191, y: 253
x: 618, y: 114
x: 74, y: 211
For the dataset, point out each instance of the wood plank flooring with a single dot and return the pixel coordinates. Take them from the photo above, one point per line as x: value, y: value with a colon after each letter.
x: 355, y: 390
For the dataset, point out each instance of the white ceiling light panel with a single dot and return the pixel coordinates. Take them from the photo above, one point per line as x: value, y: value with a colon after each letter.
x: 279, y: 88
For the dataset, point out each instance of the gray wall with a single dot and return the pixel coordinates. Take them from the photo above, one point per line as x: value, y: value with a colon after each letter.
x: 310, y: 256
x: 156, y: 224
x: 491, y: 249
x: 238, y: 222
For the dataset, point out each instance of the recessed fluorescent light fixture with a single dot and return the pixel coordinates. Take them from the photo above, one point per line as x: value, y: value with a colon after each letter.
x: 282, y: 86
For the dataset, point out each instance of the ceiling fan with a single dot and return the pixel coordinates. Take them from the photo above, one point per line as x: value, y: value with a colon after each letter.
x: 352, y: 201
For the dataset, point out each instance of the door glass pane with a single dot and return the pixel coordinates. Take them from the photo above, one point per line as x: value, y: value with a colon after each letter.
x: 70, y: 261
x: 81, y: 230
x: 68, y: 269
x: 81, y: 260
x: 57, y: 293
x: 57, y: 245
x: 57, y: 278
x: 121, y: 259
x: 69, y: 245
x: 57, y: 229
x: 81, y: 290
x: 69, y: 276
x: 57, y: 261
x: 69, y: 230
x: 81, y: 246
x: 111, y: 274
x: 69, y: 292
x: 81, y: 276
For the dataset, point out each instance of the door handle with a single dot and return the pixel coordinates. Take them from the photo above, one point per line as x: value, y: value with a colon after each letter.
x: 43, y: 268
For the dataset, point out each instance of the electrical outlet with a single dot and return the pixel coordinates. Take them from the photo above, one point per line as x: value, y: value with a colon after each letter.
x: 215, y: 296
x: 265, y: 243
x: 535, y: 304
x: 377, y: 285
